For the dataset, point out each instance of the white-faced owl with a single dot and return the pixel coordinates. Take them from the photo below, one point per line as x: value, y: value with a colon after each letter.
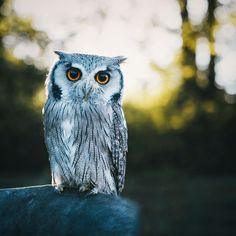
x: 85, y: 128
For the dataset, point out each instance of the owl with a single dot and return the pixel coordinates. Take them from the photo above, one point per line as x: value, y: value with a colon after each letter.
x: 84, y: 124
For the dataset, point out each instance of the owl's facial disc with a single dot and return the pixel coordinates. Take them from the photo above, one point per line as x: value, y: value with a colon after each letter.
x: 80, y: 82
x: 101, y: 78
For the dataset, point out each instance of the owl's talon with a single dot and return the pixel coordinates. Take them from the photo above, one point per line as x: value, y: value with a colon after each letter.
x: 59, y: 188
x: 92, y: 192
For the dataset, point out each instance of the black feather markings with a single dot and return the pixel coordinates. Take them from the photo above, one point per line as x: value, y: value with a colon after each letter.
x: 56, y: 91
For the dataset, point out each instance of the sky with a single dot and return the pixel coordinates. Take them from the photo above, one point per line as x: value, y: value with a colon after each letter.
x: 143, y: 31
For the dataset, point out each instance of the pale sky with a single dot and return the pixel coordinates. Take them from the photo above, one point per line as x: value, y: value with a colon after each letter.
x: 143, y: 31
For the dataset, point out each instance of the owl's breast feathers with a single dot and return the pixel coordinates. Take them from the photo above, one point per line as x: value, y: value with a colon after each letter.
x: 87, y: 145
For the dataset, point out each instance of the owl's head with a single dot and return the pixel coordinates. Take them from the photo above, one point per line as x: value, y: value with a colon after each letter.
x: 85, y: 78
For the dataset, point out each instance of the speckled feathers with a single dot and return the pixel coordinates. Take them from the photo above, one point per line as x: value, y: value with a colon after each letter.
x: 85, y: 128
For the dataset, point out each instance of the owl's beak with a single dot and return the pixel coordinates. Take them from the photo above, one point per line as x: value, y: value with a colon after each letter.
x: 87, y: 90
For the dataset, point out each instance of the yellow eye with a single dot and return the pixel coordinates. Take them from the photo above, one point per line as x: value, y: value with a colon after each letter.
x: 73, y: 74
x: 102, y: 77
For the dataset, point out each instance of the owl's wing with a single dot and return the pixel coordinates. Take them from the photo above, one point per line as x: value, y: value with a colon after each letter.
x: 119, y: 146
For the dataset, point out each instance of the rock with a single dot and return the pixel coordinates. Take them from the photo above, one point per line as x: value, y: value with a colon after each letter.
x: 40, y: 210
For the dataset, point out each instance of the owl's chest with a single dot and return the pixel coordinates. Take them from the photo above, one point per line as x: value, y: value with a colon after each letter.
x: 67, y: 128
x: 79, y: 129
x: 88, y: 130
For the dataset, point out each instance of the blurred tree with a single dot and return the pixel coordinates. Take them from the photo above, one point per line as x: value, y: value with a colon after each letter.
x: 195, y: 129
x: 189, y: 127
x: 21, y: 144
x: 205, y: 136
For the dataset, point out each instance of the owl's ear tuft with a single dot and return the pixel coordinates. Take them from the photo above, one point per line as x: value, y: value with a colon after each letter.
x: 120, y: 59
x: 61, y: 54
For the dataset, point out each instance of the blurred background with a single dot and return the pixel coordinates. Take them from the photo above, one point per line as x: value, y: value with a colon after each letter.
x: 180, y: 100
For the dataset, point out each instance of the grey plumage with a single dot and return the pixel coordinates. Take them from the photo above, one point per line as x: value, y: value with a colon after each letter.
x: 85, y: 128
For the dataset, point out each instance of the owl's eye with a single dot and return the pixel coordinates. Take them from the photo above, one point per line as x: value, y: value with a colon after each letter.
x: 73, y: 74
x: 102, y: 77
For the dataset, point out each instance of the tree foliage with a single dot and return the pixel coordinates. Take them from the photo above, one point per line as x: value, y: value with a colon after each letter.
x: 21, y: 128
x: 198, y: 127
x: 189, y: 127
